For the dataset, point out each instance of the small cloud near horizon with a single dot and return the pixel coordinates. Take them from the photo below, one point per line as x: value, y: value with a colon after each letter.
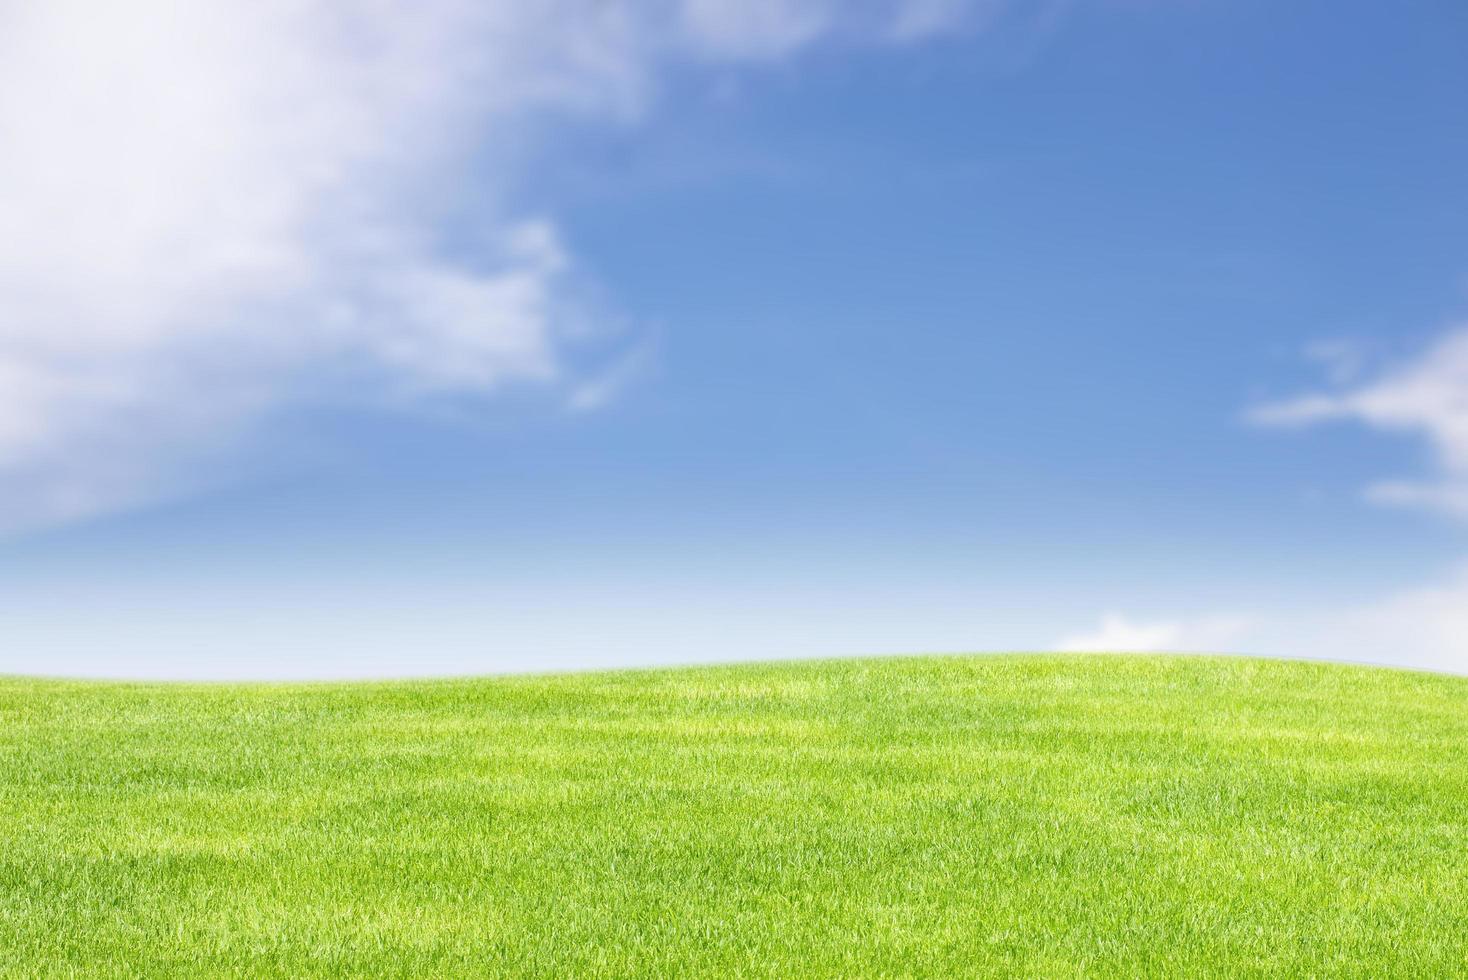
x: 1120, y: 633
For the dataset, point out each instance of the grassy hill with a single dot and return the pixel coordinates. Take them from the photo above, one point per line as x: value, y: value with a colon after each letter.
x: 924, y: 816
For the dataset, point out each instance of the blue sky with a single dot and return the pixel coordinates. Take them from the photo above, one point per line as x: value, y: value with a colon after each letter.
x: 504, y: 340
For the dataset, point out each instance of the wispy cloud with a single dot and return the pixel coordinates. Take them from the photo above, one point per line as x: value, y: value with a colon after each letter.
x: 1427, y: 397
x: 605, y: 386
x: 210, y: 210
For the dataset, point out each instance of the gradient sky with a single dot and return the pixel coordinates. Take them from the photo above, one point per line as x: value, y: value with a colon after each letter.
x: 452, y: 337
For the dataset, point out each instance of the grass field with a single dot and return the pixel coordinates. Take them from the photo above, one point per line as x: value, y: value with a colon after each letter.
x: 924, y: 816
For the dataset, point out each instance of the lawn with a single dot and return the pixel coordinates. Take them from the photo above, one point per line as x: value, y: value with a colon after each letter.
x: 940, y: 816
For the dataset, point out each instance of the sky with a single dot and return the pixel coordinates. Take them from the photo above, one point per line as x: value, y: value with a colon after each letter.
x: 384, y: 339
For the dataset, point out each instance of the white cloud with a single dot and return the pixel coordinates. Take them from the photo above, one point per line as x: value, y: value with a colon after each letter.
x: 1118, y: 633
x: 1426, y: 397
x: 210, y: 209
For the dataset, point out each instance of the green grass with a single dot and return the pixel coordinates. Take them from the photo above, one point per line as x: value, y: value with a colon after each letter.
x: 927, y: 816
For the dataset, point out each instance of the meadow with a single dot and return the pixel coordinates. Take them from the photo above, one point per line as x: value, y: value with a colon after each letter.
x: 925, y: 816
